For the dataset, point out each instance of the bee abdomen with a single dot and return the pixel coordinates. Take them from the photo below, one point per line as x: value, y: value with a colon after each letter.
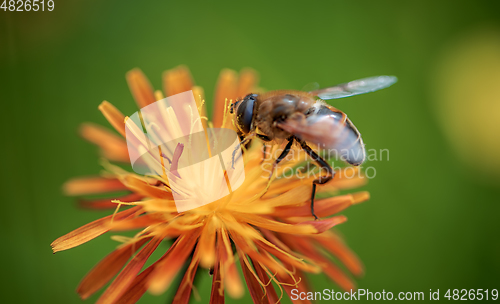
x: 347, y: 139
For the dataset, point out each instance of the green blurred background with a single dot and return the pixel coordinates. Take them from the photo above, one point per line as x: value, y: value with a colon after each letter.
x: 433, y: 219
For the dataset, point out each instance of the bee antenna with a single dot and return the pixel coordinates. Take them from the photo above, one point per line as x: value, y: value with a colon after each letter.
x: 234, y: 104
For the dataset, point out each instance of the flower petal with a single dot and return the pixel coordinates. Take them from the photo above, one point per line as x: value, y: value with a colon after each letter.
x: 175, y: 257
x: 90, y: 231
x: 107, y: 203
x: 137, y: 288
x: 112, y: 147
x: 138, y: 222
x: 229, y: 273
x: 339, y: 249
x: 183, y: 293
x: 294, y: 196
x: 107, y: 268
x: 114, y: 116
x: 335, y: 273
x: 140, y: 87
x: 127, y: 276
x: 140, y: 186
x: 294, y: 280
x: 360, y: 197
x: 303, y: 245
x: 159, y: 205
x: 271, y: 295
x: 92, y: 185
x: 289, y: 258
x: 308, y: 227
x: 177, y: 80
x: 247, y: 247
x: 253, y: 284
x: 207, y: 243
x: 225, y: 91
x: 217, y: 293
x: 345, y: 178
x: 247, y: 81
x: 325, y: 224
x: 322, y: 207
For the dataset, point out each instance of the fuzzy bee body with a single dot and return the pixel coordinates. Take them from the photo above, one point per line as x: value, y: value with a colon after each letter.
x: 305, y: 118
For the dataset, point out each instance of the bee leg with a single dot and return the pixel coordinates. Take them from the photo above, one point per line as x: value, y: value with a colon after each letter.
x: 282, y: 155
x: 234, y: 154
x: 242, y: 143
x: 264, y: 156
x: 265, y: 139
x: 322, y: 179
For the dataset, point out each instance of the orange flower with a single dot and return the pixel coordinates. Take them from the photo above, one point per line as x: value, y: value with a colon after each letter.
x: 265, y: 226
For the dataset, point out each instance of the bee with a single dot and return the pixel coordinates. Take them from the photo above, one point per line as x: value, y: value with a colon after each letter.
x: 305, y: 118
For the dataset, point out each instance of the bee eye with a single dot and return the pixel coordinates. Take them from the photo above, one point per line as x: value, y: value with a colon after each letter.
x: 244, y: 113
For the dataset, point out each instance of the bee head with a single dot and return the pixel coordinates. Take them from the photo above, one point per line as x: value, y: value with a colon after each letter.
x: 244, y: 112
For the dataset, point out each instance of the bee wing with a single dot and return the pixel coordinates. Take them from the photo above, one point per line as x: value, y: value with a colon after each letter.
x: 312, y: 86
x: 355, y: 87
x: 328, y: 133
